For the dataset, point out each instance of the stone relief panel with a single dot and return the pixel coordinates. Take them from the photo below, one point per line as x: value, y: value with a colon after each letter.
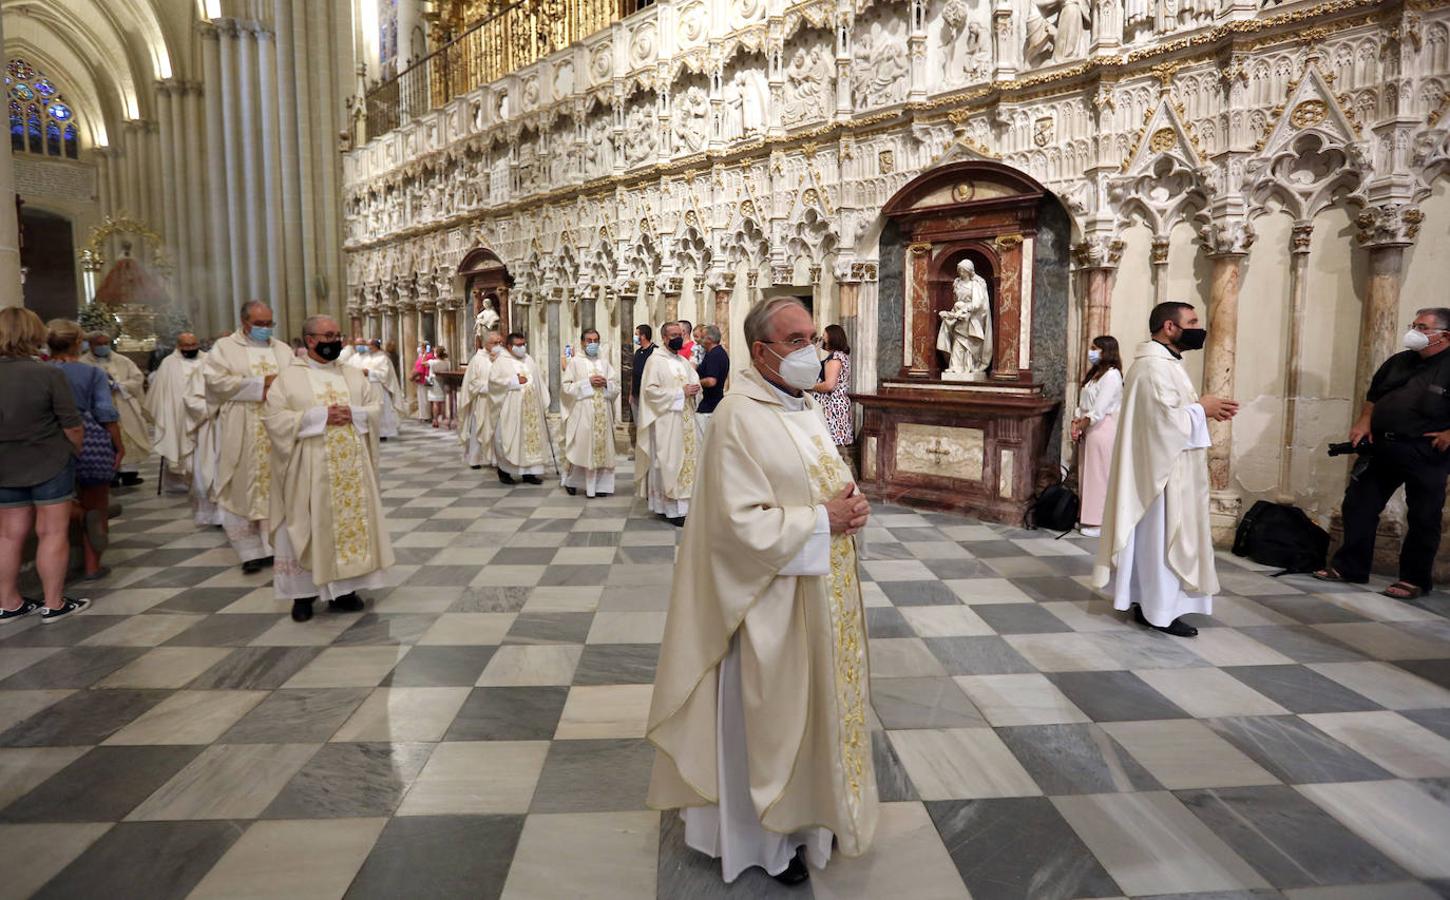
x: 960, y: 41
x: 745, y: 95
x: 810, y: 80
x: 598, y: 143
x: 641, y: 130
x: 690, y: 116
x: 880, y: 69
x: 1058, y: 30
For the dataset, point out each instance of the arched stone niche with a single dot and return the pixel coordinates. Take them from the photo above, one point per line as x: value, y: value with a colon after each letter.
x: 482, y: 276
x: 977, y: 443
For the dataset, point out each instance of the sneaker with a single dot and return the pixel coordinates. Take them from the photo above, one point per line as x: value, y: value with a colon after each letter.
x: 1090, y: 532
x: 71, y: 607
x: 25, y: 608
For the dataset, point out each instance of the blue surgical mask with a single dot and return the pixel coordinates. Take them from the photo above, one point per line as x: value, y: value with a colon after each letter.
x: 101, y: 350
x: 520, y: 351
x: 85, y: 346
x: 361, y: 348
x: 591, y: 349
x: 1095, y: 357
x: 261, y: 333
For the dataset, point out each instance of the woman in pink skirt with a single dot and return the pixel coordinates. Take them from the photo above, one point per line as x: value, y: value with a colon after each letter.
x: 1095, y: 424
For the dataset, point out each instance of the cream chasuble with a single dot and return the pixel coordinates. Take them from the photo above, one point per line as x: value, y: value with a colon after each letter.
x: 475, y: 412
x: 669, y: 433
x: 747, y: 591
x: 379, y: 370
x: 129, y: 396
x: 176, y: 403
x: 234, y: 374
x: 520, y: 443
x: 327, y: 512
x: 1157, y: 548
x: 589, y: 422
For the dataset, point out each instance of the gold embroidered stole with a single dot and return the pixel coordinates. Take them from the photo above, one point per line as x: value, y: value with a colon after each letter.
x: 598, y: 435
x: 532, y: 414
x: 347, y: 466
x: 686, y: 482
x: 262, y: 362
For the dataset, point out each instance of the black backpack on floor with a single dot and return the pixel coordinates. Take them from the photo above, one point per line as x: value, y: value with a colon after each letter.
x: 1055, y: 508
x: 1282, y: 535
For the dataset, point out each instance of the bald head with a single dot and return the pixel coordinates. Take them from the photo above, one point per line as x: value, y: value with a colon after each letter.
x: 322, y: 337
x: 187, y: 341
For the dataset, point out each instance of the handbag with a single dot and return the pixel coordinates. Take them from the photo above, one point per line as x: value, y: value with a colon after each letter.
x: 97, y: 461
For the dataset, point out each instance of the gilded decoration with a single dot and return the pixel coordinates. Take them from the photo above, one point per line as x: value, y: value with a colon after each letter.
x: 1309, y: 113
x: 346, y: 469
x: 264, y: 364
x: 533, y: 426
x: 938, y: 451
x: 1163, y: 140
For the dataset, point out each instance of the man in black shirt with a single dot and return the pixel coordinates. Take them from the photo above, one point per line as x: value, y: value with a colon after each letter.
x: 1407, y: 418
x: 714, y: 372
x: 643, y: 348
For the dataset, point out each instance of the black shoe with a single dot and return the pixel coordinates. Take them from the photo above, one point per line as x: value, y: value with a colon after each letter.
x: 349, y: 602
x: 268, y: 561
x: 115, y: 482
x: 302, y: 608
x: 131, y: 479
x: 25, y: 608
x: 677, y: 521
x: 382, y: 439
x: 602, y: 494
x: 1177, y: 628
x: 795, y: 873
x: 572, y: 492
x: 504, y: 477
x: 533, y: 479
x: 474, y: 468
x: 252, y: 566
x: 71, y: 607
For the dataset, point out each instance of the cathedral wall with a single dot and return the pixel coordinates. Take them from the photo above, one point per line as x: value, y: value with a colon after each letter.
x: 1263, y: 328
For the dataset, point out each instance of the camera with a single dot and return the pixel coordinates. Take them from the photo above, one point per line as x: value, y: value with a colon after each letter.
x: 1346, y: 448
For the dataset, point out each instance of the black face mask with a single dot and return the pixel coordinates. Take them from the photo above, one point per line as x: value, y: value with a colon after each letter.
x: 676, y: 343
x: 1192, y: 339
x: 329, y: 350
x: 190, y: 354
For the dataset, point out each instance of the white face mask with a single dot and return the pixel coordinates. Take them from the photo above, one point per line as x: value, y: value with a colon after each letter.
x: 1095, y: 357
x: 521, y: 350
x: 800, y: 369
x: 494, y: 351
x: 1416, y: 340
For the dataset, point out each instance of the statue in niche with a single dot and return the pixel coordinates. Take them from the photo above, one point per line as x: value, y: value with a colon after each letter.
x: 1058, y: 30
x: 966, y: 329
x: 744, y: 105
x: 808, y: 85
x: 691, y: 123
x: 880, y: 68
x: 487, y: 319
x: 1138, y: 20
x: 965, y: 54
x: 1192, y: 13
x: 596, y: 148
x: 640, y: 140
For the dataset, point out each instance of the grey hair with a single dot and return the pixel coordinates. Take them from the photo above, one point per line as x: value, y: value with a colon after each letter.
x: 310, y: 322
x: 1441, y: 314
x: 249, y: 306
x: 712, y: 333
x: 759, y: 318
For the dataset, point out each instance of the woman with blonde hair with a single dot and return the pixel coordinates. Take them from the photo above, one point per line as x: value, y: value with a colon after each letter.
x: 40, y: 434
x: 1095, y: 424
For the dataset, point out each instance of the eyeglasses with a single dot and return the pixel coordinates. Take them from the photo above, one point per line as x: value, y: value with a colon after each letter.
x: 1424, y: 329
x: 330, y: 336
x: 799, y: 343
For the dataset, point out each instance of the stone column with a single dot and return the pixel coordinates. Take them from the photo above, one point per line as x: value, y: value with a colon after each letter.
x: 1298, y: 304
x: 671, y: 296
x: 170, y: 223
x: 408, y: 346
x: 1385, y: 231
x: 10, y: 290
x: 554, y: 300
x: 720, y: 314
x: 1013, y: 324
x: 225, y: 294
x: 253, y: 195
x: 1159, y: 261
x: 234, y: 237
x: 1228, y: 245
x: 920, y: 359
x: 1097, y: 258
x: 588, y: 308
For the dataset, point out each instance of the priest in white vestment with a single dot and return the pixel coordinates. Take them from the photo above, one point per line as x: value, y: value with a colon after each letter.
x: 370, y: 358
x: 128, y: 395
x: 475, y: 411
x: 238, y: 372
x: 590, y: 387
x: 761, y: 705
x: 177, y: 405
x: 669, y: 433
x: 327, y: 512
x: 1156, y: 550
x: 520, y: 398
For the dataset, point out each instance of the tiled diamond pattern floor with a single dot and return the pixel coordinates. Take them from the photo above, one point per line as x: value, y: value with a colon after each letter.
x: 478, y: 732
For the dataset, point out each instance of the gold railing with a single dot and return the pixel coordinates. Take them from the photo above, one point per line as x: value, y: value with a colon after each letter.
x: 514, y: 37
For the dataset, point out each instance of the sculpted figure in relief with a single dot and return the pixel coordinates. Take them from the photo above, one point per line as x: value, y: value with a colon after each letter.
x: 880, y: 68
x: 691, y: 121
x: 1192, y: 13
x: 487, y: 318
x: 1138, y: 21
x: 596, y: 148
x: 967, y: 56
x: 640, y: 140
x: 744, y: 113
x: 808, y: 85
x: 966, y: 329
x: 1059, y: 30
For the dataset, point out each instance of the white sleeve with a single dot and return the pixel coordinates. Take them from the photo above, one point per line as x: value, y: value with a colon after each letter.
x: 359, y: 418
x: 1198, y: 429
x: 1109, y: 399
x: 678, y: 404
x: 514, y: 385
x: 314, y: 422
x: 815, y: 556
x: 251, y: 391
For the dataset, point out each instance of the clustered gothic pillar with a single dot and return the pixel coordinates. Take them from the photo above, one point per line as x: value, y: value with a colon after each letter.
x: 1097, y: 259
x: 552, y: 324
x: 1299, y: 242
x: 1385, y: 231
x: 720, y: 315
x: 1228, y: 246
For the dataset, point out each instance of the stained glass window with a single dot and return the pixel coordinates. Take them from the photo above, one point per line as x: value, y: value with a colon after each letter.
x: 41, y: 120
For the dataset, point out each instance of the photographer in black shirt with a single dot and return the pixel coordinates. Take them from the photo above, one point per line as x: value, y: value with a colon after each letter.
x: 1406, y: 419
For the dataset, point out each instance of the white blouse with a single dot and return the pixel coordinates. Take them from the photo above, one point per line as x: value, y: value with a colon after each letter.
x: 1101, y: 398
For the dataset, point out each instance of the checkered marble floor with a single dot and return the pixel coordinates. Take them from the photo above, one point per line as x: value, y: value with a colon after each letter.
x: 478, y: 731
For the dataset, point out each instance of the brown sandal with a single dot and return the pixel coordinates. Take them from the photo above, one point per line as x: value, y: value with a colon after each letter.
x: 1406, y: 590
x: 1329, y: 574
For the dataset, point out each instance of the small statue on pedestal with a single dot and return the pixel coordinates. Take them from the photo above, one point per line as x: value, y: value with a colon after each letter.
x: 487, y: 318
x: 966, y: 328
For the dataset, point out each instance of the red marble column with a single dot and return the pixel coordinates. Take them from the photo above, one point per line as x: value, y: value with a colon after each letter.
x: 924, y: 321
x: 1218, y: 362
x: 1008, y: 324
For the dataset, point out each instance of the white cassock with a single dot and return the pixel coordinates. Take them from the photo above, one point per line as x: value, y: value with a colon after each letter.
x: 235, y: 375
x: 327, y: 514
x: 1157, y: 548
x: 520, y: 438
x: 475, y: 412
x: 589, y: 425
x: 178, y: 412
x: 669, y: 434
x: 760, y: 711
x: 379, y: 370
x: 128, y: 394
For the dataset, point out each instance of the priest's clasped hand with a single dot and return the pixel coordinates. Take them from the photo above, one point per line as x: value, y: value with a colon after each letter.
x: 1219, y: 409
x: 597, y: 381
x: 848, y: 511
x: 339, y: 415
x: 691, y: 390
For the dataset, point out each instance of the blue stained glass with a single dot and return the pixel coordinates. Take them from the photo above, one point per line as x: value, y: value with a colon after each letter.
x: 44, y: 86
x: 72, y: 144
x: 24, y: 92
x: 60, y: 111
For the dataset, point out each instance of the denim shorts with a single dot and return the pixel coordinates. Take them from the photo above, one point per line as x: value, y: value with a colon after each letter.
x: 60, y: 489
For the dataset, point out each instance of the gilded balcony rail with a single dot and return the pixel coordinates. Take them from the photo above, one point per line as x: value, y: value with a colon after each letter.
x: 515, y: 36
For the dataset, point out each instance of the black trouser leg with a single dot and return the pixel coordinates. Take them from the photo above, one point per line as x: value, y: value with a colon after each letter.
x: 1364, y: 500
x: 1424, y: 471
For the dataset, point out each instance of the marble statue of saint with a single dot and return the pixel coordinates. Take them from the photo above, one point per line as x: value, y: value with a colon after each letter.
x: 966, y: 328
x: 487, y: 318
